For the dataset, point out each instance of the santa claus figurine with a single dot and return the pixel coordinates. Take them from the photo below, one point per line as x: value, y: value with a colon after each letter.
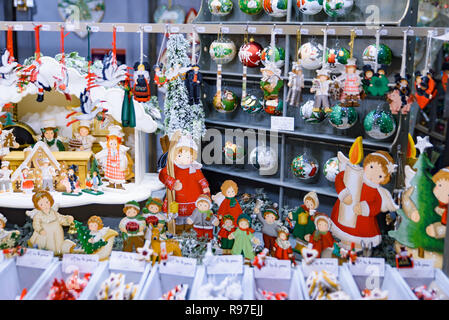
x: 188, y: 181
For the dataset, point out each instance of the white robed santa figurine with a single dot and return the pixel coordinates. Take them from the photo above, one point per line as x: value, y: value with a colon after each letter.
x: 361, y: 197
x: 113, y: 158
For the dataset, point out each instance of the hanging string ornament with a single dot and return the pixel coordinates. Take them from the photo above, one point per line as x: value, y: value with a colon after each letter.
x: 331, y: 169
x: 337, y: 8
x: 275, y: 8
x: 194, y: 78
x: 62, y: 82
x: 309, y: 7
x: 425, y: 86
x: 271, y: 82
x: 8, y: 76
x: 251, y: 7
x: 220, y: 7
x: 311, y: 55
x: 379, y: 123
x: 304, y: 166
x: 296, y: 77
x: 160, y: 78
x: 401, y: 98
x: 141, y: 88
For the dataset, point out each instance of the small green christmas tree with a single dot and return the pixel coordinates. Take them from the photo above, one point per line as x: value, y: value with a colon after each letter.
x: 94, y: 168
x: 413, y: 234
x: 84, y: 236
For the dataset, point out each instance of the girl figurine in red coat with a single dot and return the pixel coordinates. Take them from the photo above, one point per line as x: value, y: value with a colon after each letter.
x: 188, y: 181
x: 321, y: 238
x: 358, y: 204
x: 282, y: 247
x: 227, y: 201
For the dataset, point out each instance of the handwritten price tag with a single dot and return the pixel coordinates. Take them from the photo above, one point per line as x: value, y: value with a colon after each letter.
x: 252, y: 30
x: 120, y: 28
x: 126, y: 261
x: 363, y: 266
x: 274, y: 269
x: 70, y: 27
x: 359, y: 32
x: 422, y: 268
x: 148, y: 28
x: 331, y: 31
x: 200, y: 29
x: 224, y: 29
x: 35, y: 258
x: 174, y: 29
x: 283, y: 123
x: 179, y: 266
x: 304, y: 31
x: 95, y: 28
x: 328, y: 264
x: 18, y: 27
x: 278, y: 31
x: 84, y: 262
x: 232, y: 264
x: 45, y: 27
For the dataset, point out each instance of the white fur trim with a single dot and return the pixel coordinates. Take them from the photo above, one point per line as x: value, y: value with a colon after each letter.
x: 365, y: 208
x: 340, y: 234
x: 343, y: 194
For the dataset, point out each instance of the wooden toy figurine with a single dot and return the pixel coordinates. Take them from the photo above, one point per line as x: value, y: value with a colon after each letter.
x: 49, y: 135
x: 141, y: 88
x: 203, y: 218
x: 5, y: 177
x: 193, y: 83
x: 303, y: 217
x: 295, y: 85
x: 269, y: 226
x: 72, y: 183
x: 161, y: 249
x: 441, y: 191
x: 48, y: 173
x: 320, y: 86
x: 26, y: 180
x: 100, y: 232
x: 226, y: 200
x: 244, y: 238
x: 132, y: 227
x: 425, y: 88
x: 152, y: 212
x: 7, y: 141
x: 183, y: 178
x: 47, y: 225
x: 7, y: 238
x: 282, y: 248
x: 227, y: 227
x: 113, y: 158
x: 83, y: 140
x: 350, y: 82
x: 321, y: 239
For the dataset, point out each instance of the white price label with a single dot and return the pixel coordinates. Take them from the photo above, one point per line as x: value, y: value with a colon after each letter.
x: 174, y: 29
x: 383, y: 32
x: 126, y: 261
x: 35, y: 258
x: 84, y: 262
x: 359, y: 32
x: 70, y: 27
x: 94, y: 28
x: 224, y: 29
x: 120, y: 28
x: 232, y: 264
x: 18, y: 27
x: 283, y: 123
x: 179, y: 266
x: 252, y: 30
x: 422, y: 268
x: 200, y: 29
x: 363, y: 266
x: 330, y: 31
x: 274, y: 269
x: 318, y: 265
x: 410, y: 32
x: 278, y: 31
x: 304, y: 31
x: 45, y: 27
x: 148, y: 28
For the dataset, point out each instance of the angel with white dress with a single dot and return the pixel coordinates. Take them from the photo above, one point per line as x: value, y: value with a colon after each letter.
x: 361, y: 197
x: 8, y: 76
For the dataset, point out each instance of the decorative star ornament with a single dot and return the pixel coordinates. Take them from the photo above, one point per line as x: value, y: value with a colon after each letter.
x: 423, y: 144
x: 145, y: 253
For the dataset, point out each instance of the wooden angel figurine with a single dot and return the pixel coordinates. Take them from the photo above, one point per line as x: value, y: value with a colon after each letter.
x: 270, y: 226
x: 244, y: 238
x: 350, y: 82
x: 7, y: 141
x: 227, y: 201
x: 5, y: 177
x: 354, y: 213
x: 47, y: 225
x: 49, y: 134
x: 441, y: 191
x: 304, y: 219
x: 203, y: 218
x: 100, y: 232
x: 295, y: 85
x: 113, y: 158
x: 321, y: 86
x: 83, y: 139
x: 321, y: 239
x: 7, y: 238
x: 132, y: 226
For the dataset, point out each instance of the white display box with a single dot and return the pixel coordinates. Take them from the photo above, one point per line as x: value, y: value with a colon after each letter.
x: 344, y: 278
x: 41, y: 289
x: 291, y: 286
x: 202, y: 277
x: 14, y: 278
x: 157, y: 284
x: 130, y: 276
x: 390, y: 280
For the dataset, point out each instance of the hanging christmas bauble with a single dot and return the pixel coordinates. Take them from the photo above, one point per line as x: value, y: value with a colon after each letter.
x: 274, y: 107
x: 222, y: 51
x: 331, y: 169
x: 279, y: 56
x: 310, y: 116
x: 342, y: 117
x: 310, y: 7
x: 304, y: 167
x: 251, y: 6
x: 251, y: 104
x: 275, y: 8
x: 379, y: 124
x: 385, y: 56
x: 233, y: 151
x: 220, y: 7
x: 263, y: 157
x: 250, y: 54
x: 337, y: 8
x: 343, y: 55
x: 311, y: 56
x: 227, y: 103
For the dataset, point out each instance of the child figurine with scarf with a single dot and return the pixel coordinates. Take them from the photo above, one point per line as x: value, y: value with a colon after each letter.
x: 227, y: 201
x: 321, y: 238
x: 244, y: 238
x: 226, y: 229
x: 203, y: 218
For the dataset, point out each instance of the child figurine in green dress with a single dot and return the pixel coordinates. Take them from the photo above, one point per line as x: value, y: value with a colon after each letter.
x: 303, y: 218
x: 244, y: 238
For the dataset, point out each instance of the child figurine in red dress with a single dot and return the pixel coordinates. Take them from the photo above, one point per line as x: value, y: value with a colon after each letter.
x: 228, y: 205
x: 321, y: 238
x: 282, y: 247
x: 441, y: 191
x: 227, y: 228
x: 188, y: 181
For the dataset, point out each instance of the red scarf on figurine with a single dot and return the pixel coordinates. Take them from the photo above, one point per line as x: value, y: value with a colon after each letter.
x: 248, y: 230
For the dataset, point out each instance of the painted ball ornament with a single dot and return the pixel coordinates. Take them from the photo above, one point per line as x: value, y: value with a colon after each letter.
x: 309, y: 7
x: 275, y: 8
x: 342, y: 117
x: 251, y: 7
x: 233, y: 151
x: 263, y: 157
x: 311, y: 55
x: 222, y: 51
x: 220, y: 7
x: 310, y: 116
x: 251, y: 104
x: 331, y: 169
x: 304, y: 167
x: 250, y: 54
x: 343, y: 55
x: 279, y: 56
x: 379, y: 124
x: 337, y: 8
x: 384, y: 56
x: 225, y: 102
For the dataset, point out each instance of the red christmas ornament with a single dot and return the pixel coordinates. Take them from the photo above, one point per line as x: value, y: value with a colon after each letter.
x: 250, y: 54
